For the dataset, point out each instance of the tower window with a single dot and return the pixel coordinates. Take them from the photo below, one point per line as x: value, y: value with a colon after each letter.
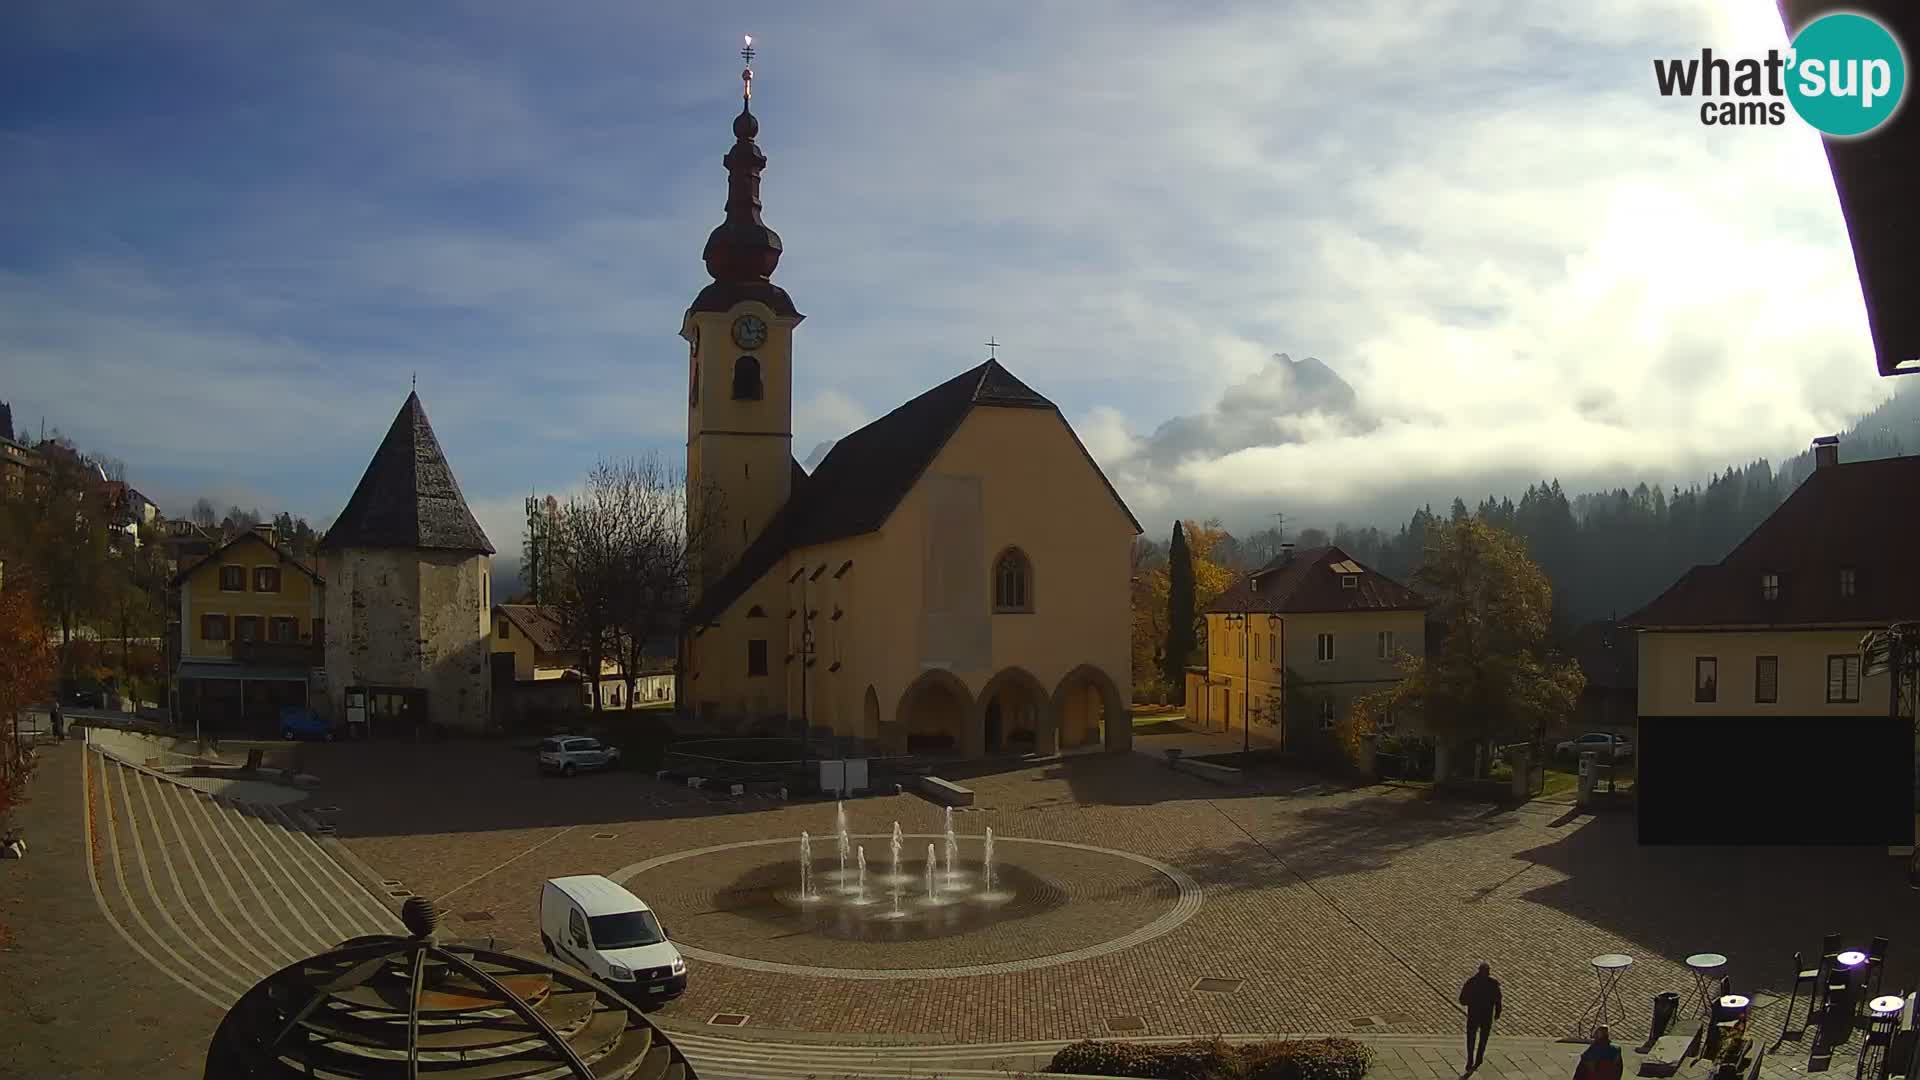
x: 1012, y: 581
x: 746, y: 379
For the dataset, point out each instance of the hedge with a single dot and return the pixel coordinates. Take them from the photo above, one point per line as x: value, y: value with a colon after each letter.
x: 1216, y: 1059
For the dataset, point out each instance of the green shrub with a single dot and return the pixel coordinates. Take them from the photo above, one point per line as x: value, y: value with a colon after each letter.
x: 1214, y: 1059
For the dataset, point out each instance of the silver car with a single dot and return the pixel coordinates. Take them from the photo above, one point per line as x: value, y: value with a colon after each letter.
x: 1599, y: 742
x: 568, y: 754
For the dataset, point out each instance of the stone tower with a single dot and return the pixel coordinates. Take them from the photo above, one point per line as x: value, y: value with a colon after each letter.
x: 739, y: 334
x: 408, y: 591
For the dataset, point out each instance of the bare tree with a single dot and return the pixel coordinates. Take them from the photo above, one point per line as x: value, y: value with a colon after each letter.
x: 667, y: 532
x: 621, y: 555
x: 203, y: 514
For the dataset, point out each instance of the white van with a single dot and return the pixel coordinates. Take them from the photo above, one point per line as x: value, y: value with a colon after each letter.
x: 596, y: 925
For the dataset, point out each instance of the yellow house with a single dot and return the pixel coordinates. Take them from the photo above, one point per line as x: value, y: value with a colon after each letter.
x: 952, y: 578
x: 1752, y: 672
x: 529, y: 647
x: 1774, y: 629
x: 1339, y: 626
x: 251, y: 623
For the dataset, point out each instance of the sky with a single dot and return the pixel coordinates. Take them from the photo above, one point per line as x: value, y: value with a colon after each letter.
x: 233, y: 233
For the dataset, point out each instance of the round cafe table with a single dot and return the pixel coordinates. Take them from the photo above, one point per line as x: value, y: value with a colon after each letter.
x: 1607, y: 970
x: 1843, y: 988
x: 1707, y: 967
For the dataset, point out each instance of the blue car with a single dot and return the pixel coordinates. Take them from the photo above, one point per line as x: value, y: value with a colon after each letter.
x: 300, y: 722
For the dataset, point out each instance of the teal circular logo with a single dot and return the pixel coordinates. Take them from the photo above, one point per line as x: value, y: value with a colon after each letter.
x: 1847, y: 74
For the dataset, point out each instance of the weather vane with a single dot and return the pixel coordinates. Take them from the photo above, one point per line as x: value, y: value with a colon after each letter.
x: 746, y: 74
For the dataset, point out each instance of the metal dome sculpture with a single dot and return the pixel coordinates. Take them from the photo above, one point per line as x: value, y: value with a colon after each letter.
x: 410, y: 1007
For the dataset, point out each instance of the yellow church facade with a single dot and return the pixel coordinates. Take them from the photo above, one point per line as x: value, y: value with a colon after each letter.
x: 952, y: 579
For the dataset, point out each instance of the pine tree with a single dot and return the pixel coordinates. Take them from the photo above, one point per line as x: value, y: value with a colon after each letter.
x: 1180, y: 615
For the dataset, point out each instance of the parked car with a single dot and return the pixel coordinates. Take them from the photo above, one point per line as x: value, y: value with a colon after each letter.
x: 568, y: 754
x: 1599, y: 742
x: 84, y: 697
x: 600, y: 927
x: 300, y: 722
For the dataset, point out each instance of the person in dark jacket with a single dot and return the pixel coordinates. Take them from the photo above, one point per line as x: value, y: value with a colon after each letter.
x: 1481, y: 996
x: 1601, y: 1060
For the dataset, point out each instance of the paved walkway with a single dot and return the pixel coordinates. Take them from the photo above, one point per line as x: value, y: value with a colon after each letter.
x: 1396, y: 1057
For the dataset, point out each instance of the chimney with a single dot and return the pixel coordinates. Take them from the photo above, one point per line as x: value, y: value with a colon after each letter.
x: 1286, y: 554
x: 1826, y: 451
x: 264, y: 530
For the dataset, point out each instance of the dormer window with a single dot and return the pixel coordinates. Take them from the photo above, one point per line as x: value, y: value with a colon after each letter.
x: 746, y: 379
x: 1348, y: 581
x: 1253, y: 583
x: 1847, y: 581
x: 1770, y: 586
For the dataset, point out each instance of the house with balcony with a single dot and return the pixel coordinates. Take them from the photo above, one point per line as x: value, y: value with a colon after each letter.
x: 1752, y: 669
x: 251, y: 622
x: 1337, y: 627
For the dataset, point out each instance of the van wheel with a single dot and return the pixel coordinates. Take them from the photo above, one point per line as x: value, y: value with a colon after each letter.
x: 567, y: 769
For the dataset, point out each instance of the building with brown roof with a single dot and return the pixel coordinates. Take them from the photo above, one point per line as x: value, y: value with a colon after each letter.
x: 250, y: 621
x: 530, y: 649
x: 410, y: 592
x: 1337, y: 627
x: 1775, y: 627
x: 951, y: 578
x: 1759, y: 718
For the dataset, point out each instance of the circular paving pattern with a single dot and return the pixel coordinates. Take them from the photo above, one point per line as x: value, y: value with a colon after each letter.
x: 1052, y: 902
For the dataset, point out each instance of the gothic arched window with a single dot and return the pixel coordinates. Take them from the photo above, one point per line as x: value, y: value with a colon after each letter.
x: 746, y: 379
x: 1012, y: 581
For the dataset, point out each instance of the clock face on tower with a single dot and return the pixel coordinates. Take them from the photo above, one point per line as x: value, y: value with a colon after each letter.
x: 749, y: 332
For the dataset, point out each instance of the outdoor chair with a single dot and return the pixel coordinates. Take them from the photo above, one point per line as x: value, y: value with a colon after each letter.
x: 1877, y: 963
x: 1808, y: 977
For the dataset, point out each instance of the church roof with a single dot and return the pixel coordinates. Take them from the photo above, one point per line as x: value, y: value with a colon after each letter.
x: 408, y: 497
x: 866, y: 475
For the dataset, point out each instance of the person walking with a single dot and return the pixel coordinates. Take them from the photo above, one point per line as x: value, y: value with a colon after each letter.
x: 58, y: 719
x: 1481, y: 996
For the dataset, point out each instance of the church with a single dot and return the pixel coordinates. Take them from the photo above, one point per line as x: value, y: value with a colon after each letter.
x: 952, y: 579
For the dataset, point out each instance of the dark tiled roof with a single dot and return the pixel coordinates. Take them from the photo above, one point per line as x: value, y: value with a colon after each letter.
x: 1607, y: 654
x: 408, y: 497
x: 864, y: 477
x: 1311, y: 582
x: 1874, y: 179
x: 187, y: 568
x: 1861, y: 516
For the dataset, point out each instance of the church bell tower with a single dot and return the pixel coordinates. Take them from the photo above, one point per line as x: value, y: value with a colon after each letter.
x: 739, y: 335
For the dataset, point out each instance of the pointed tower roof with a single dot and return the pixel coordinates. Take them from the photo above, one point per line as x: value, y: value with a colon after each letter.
x: 408, y: 497
x: 742, y: 251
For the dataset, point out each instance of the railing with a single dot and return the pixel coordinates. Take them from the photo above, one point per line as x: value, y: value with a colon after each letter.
x: 302, y: 654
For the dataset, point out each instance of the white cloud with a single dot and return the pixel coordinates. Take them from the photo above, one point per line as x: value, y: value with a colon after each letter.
x: 1481, y: 215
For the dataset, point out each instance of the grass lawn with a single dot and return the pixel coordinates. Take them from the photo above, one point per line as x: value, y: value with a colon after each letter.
x: 1142, y: 711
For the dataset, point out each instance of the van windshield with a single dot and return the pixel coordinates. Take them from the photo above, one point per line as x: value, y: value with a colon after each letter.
x: 627, y: 930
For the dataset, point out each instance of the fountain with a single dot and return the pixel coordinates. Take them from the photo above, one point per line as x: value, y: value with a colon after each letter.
x: 933, y: 889
x: 953, y: 854
x: 986, y: 862
x: 840, y: 824
x: 893, y: 845
x: 806, y: 867
x: 860, y: 897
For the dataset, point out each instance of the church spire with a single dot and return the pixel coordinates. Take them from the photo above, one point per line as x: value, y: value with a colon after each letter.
x: 742, y: 249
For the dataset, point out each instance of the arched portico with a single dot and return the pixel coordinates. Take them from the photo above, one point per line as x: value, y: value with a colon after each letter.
x: 935, y: 715
x: 1091, y: 710
x: 1013, y: 712
x: 870, y: 714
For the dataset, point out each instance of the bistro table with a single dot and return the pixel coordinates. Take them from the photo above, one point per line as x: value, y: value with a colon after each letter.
x: 1607, y: 970
x: 1883, y: 1019
x: 1729, y: 1024
x: 1842, y: 989
x: 1707, y: 967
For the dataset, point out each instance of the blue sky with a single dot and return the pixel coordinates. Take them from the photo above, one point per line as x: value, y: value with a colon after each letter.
x: 231, y: 232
